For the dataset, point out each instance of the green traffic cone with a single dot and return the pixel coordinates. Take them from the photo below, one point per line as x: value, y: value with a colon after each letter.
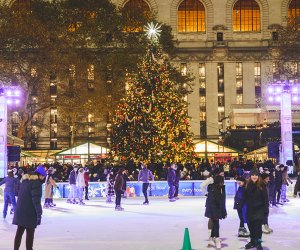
x: 186, y: 240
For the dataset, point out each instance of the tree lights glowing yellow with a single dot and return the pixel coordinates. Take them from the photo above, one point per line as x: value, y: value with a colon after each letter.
x: 151, y: 122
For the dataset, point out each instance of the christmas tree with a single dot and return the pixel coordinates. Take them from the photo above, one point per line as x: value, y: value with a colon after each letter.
x: 151, y: 122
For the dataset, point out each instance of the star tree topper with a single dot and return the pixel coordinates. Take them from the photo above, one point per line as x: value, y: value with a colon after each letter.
x: 153, y: 31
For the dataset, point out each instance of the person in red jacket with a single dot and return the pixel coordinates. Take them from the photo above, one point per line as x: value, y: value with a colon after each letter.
x: 86, y: 181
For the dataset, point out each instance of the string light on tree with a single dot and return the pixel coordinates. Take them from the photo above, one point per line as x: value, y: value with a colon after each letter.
x: 151, y: 122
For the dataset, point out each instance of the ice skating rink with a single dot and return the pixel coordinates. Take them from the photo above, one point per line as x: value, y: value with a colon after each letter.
x: 158, y: 226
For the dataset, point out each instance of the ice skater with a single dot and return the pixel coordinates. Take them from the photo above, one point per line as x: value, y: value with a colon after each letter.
x: 73, y: 189
x: 256, y: 199
x: 285, y: 182
x: 297, y: 186
x: 9, y: 191
x: 49, y: 185
x: 278, y: 182
x: 80, y: 184
x: 216, y: 209
x: 265, y: 227
x: 144, y: 175
x: 110, y: 192
x: 86, y: 181
x: 238, y: 206
x: 177, y: 179
x: 28, y: 212
x: 118, y: 186
x: 171, y: 177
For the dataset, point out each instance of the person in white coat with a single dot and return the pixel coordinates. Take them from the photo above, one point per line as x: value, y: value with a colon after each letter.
x: 80, y: 183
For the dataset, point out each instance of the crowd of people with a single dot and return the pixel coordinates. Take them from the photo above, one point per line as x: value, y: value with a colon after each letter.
x: 259, y: 189
x: 260, y: 186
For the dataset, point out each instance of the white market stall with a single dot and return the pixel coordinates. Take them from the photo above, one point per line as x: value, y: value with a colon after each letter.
x: 210, y: 150
x: 82, y: 153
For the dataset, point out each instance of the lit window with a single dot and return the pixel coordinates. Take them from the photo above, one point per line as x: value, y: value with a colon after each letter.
x: 246, y: 16
x: 294, y: 9
x: 91, y: 73
x: 239, y: 99
x: 183, y: 69
x: 72, y: 70
x: 191, y: 16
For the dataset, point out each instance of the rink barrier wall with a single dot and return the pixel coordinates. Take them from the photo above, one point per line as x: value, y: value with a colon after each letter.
x: 156, y: 188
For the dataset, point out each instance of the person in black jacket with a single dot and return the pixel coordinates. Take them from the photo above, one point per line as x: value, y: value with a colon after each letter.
x: 28, y: 211
x: 118, y: 187
x: 256, y: 200
x: 216, y: 208
x: 278, y: 182
x: 241, y: 210
x: 297, y: 186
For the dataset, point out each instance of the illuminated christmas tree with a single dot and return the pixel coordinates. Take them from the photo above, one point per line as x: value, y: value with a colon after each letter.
x: 151, y: 122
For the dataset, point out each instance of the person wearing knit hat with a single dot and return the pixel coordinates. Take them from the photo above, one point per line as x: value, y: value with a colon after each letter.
x: 254, y: 171
x: 241, y: 210
x: 257, y: 202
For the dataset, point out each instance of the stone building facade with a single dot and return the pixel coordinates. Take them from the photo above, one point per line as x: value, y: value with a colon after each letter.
x: 227, y: 47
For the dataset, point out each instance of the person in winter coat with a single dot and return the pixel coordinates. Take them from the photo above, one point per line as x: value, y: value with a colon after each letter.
x: 110, y: 178
x: 216, y: 209
x: 80, y: 184
x: 144, y: 175
x: 256, y: 200
x: 28, y: 212
x: 49, y: 185
x: 278, y: 182
x: 265, y: 227
x: 272, y: 188
x: 177, y: 179
x: 125, y: 178
x: 171, y: 177
x: 285, y: 182
x: 73, y: 188
x: 297, y: 186
x: 241, y: 210
x: 203, y: 186
x: 86, y: 181
x: 118, y: 186
x: 9, y: 191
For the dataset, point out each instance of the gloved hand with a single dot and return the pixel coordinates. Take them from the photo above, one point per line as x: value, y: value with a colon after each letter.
x: 38, y: 220
x: 57, y: 187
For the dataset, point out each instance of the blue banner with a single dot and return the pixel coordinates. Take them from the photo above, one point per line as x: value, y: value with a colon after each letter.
x: 135, y: 189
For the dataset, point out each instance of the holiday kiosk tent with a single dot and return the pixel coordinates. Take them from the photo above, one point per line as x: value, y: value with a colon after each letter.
x: 213, y: 151
x: 82, y: 153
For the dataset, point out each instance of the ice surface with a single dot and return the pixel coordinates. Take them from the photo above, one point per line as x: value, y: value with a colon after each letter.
x: 158, y: 226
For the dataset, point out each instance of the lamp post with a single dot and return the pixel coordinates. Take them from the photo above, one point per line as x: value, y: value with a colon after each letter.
x: 285, y: 94
x: 8, y: 97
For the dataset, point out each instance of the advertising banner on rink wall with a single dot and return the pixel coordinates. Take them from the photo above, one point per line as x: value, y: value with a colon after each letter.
x: 156, y: 188
x: 135, y: 189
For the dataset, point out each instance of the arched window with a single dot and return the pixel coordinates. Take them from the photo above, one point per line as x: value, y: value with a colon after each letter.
x: 191, y: 16
x: 136, y: 12
x: 246, y: 16
x: 294, y: 9
x: 134, y: 6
